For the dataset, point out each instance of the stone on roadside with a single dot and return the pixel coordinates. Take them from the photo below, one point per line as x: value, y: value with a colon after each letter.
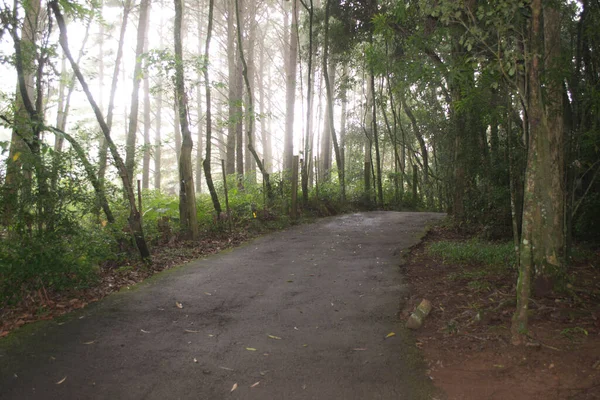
x: 416, y: 317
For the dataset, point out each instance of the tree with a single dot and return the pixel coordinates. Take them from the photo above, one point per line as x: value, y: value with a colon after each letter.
x: 208, y: 157
x: 187, y: 195
x: 135, y: 222
x: 329, y: 89
x: 137, y: 78
x: 542, y: 245
x: 250, y: 107
x: 290, y: 89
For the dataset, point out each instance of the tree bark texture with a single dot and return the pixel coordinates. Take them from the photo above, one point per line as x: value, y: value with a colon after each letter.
x: 135, y: 99
x: 208, y: 157
x: 187, y: 196
x: 290, y: 89
x: 542, y: 244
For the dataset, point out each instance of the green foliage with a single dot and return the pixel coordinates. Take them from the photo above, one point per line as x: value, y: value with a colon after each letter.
x: 475, y: 252
x: 573, y: 333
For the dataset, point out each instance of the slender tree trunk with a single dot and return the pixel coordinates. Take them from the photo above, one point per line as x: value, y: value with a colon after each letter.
x: 424, y: 152
x: 306, y: 166
x: 176, y: 126
x: 239, y: 127
x: 208, y: 157
x: 187, y: 197
x: 113, y: 90
x: 135, y: 222
x: 266, y: 145
x: 232, y: 79
x: 326, y: 136
x: 329, y: 90
x: 378, y: 157
x: 137, y: 78
x: 147, y: 127
x: 158, y: 115
x: 249, y: 164
x: 200, y: 6
x: 250, y: 108
x: 368, y: 127
x: 291, y: 72
x: 157, y: 138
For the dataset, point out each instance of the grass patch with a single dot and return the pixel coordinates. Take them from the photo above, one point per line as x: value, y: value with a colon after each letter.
x: 475, y: 252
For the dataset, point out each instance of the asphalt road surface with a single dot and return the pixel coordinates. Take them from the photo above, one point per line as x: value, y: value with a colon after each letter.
x: 299, y: 314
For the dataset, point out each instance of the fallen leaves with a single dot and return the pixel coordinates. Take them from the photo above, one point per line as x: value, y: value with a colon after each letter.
x: 255, y: 384
x: 274, y: 337
x: 250, y: 349
x: 178, y: 304
x: 190, y: 331
x: 235, y: 386
x: 143, y: 331
x: 389, y: 335
x: 90, y: 342
x: 61, y: 381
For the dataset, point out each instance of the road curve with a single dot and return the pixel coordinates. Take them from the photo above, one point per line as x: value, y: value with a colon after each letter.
x: 299, y: 314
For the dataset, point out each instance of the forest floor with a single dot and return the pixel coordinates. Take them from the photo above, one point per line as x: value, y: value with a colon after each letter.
x: 466, y: 338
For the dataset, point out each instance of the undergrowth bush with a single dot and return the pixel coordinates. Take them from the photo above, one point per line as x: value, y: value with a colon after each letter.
x: 475, y: 251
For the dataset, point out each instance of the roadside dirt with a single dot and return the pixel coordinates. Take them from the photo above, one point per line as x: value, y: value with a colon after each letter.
x: 466, y: 338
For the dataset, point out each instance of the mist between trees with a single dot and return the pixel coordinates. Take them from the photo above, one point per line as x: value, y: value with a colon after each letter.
x: 126, y: 118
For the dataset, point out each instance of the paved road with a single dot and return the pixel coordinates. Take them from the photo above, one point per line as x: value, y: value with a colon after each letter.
x: 327, y: 293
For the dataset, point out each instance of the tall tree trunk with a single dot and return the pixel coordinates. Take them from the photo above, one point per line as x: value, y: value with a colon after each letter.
x: 157, y: 138
x: 176, y: 127
x: 329, y: 90
x: 239, y: 127
x: 200, y: 6
x: 250, y: 107
x: 424, y: 152
x: 249, y: 164
x: 290, y: 89
x: 135, y: 222
x: 232, y: 79
x: 368, y: 160
x: 158, y: 115
x: 137, y: 78
x: 265, y: 136
x: 542, y: 244
x: 113, y: 91
x: 22, y: 128
x: 147, y: 126
x: 306, y: 166
x: 208, y: 157
x: 187, y: 197
x: 376, y: 142
x: 326, y: 136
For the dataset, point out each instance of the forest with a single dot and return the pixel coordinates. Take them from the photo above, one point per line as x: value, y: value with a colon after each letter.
x: 126, y: 126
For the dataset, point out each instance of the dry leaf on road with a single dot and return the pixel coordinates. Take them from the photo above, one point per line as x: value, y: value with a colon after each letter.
x: 255, y: 384
x: 234, y: 387
x: 274, y: 337
x: 389, y: 335
x: 178, y: 304
x: 61, y: 381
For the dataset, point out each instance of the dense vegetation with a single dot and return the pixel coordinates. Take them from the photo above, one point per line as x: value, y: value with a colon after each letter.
x: 488, y: 110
